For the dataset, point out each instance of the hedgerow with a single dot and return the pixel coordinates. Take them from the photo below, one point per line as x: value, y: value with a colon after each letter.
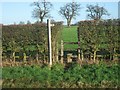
x: 28, y: 40
x: 99, y: 38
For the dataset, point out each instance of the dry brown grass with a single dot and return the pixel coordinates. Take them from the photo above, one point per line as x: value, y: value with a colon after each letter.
x: 11, y: 63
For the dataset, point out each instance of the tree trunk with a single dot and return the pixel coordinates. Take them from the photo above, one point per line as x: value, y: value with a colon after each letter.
x: 114, y: 52
x: 24, y: 57
x: 57, y: 52
x: 78, y: 54
x: 53, y: 51
x: 41, y: 20
x: 82, y: 56
x: 14, y: 57
x: 110, y: 56
x: 68, y: 22
x: 62, y: 52
x: 94, y: 58
x: 37, y: 57
x: 44, y: 57
x: 90, y: 57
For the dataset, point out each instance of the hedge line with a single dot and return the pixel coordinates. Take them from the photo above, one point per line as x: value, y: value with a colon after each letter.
x: 100, y: 36
x: 27, y: 38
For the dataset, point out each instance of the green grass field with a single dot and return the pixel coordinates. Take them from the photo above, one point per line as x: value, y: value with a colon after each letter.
x: 70, y: 35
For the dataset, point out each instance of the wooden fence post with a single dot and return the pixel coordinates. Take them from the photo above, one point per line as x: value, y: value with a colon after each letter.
x: 49, y: 41
x: 57, y: 52
x: 78, y: 44
x: 53, y: 51
x: 69, y: 58
x: 62, y: 51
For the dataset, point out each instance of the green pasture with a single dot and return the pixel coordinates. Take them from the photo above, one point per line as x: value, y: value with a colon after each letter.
x: 69, y: 34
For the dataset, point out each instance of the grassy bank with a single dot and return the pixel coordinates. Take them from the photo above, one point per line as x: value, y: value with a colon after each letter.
x: 76, y: 76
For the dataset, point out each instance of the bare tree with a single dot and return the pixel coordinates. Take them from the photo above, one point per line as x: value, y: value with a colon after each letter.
x: 96, y: 12
x: 28, y: 22
x: 21, y: 23
x: 70, y: 11
x: 42, y: 10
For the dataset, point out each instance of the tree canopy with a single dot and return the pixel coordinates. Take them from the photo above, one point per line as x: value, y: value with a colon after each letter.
x: 96, y: 12
x: 70, y: 11
x: 41, y: 10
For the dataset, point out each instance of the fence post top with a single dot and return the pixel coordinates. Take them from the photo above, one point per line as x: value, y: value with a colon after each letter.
x: 48, y: 20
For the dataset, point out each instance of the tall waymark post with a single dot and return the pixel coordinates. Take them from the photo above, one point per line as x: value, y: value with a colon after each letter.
x: 49, y: 41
